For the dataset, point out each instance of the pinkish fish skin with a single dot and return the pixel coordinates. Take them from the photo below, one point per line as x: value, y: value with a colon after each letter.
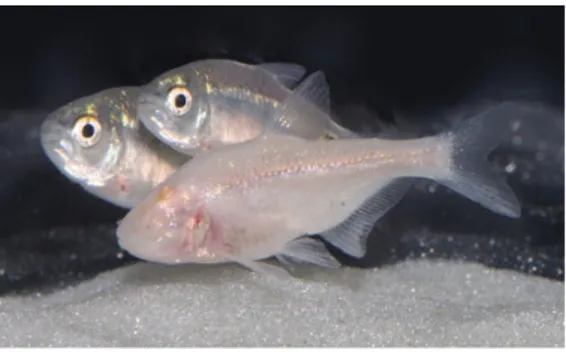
x: 263, y: 198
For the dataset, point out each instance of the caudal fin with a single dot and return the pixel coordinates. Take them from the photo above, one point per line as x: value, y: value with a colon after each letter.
x: 470, y: 173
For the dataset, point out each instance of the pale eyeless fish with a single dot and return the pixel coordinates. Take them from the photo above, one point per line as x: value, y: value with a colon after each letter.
x: 210, y: 103
x: 265, y: 197
x: 98, y: 142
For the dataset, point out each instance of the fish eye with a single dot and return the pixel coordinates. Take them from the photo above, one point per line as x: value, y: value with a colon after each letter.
x: 179, y: 100
x: 87, y: 131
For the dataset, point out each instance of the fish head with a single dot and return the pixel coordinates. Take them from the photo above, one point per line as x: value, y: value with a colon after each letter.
x: 85, y: 139
x: 170, y: 227
x: 173, y: 108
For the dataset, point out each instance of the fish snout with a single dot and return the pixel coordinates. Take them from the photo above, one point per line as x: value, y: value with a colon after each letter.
x: 56, y: 143
x: 151, y: 112
x: 148, y: 233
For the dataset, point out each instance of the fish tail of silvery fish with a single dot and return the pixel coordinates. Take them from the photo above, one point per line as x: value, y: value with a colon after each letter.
x: 468, y: 171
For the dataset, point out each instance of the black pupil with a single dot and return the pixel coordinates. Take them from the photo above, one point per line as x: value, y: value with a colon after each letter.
x: 88, y: 130
x: 180, y: 101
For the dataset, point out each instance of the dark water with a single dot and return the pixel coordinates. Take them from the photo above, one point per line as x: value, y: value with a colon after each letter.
x: 417, y: 68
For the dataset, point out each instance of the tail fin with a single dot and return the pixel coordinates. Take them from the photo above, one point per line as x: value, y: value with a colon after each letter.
x: 470, y: 173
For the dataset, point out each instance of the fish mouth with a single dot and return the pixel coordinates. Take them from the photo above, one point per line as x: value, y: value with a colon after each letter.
x: 148, y: 245
x: 150, y: 113
x: 152, y: 252
x: 163, y: 126
x: 56, y: 145
x: 60, y: 150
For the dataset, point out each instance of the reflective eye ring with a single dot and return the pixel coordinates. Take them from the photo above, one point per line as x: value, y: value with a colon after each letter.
x: 87, y: 131
x: 179, y: 100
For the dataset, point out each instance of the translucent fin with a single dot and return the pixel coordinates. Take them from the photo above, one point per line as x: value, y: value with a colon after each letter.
x: 313, y: 89
x: 308, y: 102
x: 471, y: 174
x: 286, y: 74
x: 351, y: 235
x: 269, y: 270
x: 307, y: 250
x: 372, y: 125
x: 341, y: 132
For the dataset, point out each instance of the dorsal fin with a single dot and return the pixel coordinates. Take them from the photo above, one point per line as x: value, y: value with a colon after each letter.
x: 311, y: 99
x: 285, y: 73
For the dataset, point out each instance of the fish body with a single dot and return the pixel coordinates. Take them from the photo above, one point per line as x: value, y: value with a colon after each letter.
x: 98, y: 142
x: 265, y: 197
x: 212, y: 103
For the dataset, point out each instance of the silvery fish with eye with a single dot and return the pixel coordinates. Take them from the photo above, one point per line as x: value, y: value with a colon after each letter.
x: 211, y: 103
x: 99, y: 142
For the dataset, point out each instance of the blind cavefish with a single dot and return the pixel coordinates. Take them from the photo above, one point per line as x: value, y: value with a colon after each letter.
x: 99, y: 142
x: 211, y: 103
x: 264, y: 197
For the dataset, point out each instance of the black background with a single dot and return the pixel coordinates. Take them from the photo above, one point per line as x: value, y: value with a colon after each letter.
x: 403, y: 63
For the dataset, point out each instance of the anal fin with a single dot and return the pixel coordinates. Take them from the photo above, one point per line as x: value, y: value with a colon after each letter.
x: 268, y: 270
x: 307, y: 250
